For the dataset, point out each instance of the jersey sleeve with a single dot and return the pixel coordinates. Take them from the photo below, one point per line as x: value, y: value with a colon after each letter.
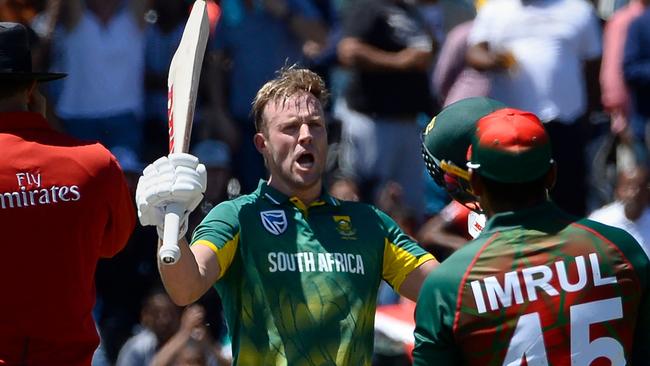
x: 434, y: 318
x: 219, y: 231
x: 401, y: 253
x: 121, y: 216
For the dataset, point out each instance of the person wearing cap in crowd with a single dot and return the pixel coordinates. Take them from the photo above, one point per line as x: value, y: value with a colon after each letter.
x: 64, y: 204
x: 537, y: 286
x: 215, y: 155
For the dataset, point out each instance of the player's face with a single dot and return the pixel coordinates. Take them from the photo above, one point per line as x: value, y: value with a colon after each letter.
x: 294, y: 143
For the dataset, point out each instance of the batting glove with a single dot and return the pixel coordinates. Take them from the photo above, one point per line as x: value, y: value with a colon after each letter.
x: 178, y: 178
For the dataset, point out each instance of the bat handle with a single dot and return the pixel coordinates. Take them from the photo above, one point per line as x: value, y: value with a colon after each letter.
x: 169, y: 253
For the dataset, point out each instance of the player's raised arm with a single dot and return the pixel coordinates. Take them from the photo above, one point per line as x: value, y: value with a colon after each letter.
x: 177, y: 179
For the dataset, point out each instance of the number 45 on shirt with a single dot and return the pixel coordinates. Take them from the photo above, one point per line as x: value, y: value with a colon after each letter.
x: 527, y: 343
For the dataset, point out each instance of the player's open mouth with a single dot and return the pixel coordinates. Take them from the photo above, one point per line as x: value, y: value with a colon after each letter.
x: 306, y: 160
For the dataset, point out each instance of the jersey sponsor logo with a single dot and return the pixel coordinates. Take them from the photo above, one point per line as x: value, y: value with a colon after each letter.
x: 344, y: 227
x: 274, y: 221
x: 316, y: 262
x: 509, y: 290
x: 31, y: 191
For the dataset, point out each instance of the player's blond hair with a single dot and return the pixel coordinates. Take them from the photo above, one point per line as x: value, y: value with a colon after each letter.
x: 289, y: 81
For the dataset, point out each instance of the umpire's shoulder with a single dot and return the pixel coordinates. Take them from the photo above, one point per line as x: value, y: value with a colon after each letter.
x: 95, y: 158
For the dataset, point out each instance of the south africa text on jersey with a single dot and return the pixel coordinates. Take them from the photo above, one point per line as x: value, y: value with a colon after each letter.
x: 315, y: 262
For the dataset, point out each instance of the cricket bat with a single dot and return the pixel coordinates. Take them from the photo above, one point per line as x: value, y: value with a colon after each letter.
x: 183, y: 84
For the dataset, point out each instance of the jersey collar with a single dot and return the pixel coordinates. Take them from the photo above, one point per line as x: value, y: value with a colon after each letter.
x: 545, y: 216
x: 12, y: 121
x: 278, y: 198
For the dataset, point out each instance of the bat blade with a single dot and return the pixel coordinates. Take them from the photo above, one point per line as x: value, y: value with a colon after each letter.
x: 183, y: 79
x: 183, y: 85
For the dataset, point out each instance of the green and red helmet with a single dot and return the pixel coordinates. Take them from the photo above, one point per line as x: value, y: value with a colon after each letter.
x: 445, y: 143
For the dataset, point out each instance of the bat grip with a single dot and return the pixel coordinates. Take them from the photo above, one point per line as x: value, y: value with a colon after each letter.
x: 169, y: 253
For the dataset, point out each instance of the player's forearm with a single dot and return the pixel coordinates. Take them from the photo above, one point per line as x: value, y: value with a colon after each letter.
x: 170, y: 350
x: 354, y: 53
x: 184, y: 280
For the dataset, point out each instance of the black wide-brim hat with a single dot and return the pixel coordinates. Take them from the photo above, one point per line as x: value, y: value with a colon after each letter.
x: 16, y: 57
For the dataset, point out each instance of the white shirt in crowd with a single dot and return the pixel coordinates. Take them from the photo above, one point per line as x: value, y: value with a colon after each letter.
x: 613, y: 214
x: 550, y: 40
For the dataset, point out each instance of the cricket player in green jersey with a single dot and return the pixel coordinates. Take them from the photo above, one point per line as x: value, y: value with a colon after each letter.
x: 297, y: 270
x: 538, y: 286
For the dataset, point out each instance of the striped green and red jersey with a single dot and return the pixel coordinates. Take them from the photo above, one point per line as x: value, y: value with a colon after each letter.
x: 299, y: 284
x: 538, y: 287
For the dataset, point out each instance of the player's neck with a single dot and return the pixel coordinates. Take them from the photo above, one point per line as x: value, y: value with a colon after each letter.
x: 307, y: 195
x: 492, y: 208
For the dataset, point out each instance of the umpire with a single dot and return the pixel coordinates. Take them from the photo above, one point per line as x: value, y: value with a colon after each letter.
x: 64, y: 204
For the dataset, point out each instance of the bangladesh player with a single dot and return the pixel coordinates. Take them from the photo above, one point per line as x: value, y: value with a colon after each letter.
x: 537, y: 287
x: 297, y: 270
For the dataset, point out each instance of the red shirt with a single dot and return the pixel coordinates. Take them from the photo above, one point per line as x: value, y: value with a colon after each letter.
x: 64, y: 204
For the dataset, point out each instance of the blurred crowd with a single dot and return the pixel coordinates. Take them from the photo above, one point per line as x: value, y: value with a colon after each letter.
x: 583, y: 67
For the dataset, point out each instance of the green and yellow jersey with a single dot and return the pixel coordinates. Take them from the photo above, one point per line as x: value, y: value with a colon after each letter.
x: 538, y: 287
x: 298, y: 283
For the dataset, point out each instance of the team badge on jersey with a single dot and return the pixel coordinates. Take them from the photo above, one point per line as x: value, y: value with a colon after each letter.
x: 344, y: 227
x: 274, y: 221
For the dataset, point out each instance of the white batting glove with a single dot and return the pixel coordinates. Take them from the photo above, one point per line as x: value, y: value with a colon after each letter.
x: 177, y: 178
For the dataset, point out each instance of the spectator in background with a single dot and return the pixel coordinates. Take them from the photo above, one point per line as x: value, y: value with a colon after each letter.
x: 344, y: 188
x: 541, y: 56
x: 630, y: 211
x: 26, y: 13
x: 64, y: 204
x: 457, y: 12
x: 162, y: 36
x: 391, y: 200
x: 160, y: 320
x: 253, y: 40
x: 445, y: 232
x: 614, y: 92
x: 215, y: 155
x: 453, y: 79
x: 190, y: 345
x: 636, y: 68
x: 101, y: 45
x: 123, y: 281
x: 388, y: 49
